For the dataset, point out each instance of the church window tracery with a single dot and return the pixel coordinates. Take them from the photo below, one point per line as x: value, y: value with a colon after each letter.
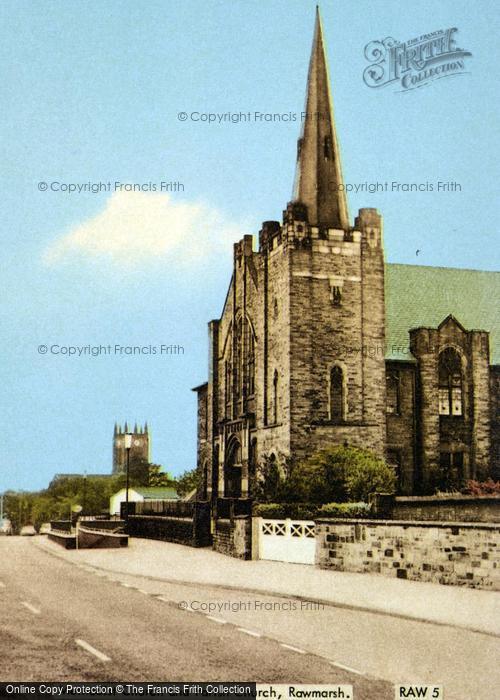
x: 450, y: 383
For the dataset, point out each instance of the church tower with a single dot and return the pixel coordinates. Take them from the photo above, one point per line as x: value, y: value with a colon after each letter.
x: 140, y: 448
x: 297, y: 359
x: 326, y: 351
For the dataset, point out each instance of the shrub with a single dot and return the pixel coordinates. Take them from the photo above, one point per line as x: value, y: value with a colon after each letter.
x: 269, y: 510
x: 482, y: 488
x: 340, y: 474
x: 345, y: 510
x: 296, y: 511
x: 311, y: 511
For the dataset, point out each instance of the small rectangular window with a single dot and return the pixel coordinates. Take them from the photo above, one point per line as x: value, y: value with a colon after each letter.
x: 444, y: 402
x: 336, y: 295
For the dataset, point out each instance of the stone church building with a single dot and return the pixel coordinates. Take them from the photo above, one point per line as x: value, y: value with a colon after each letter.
x: 321, y: 342
x: 139, y: 448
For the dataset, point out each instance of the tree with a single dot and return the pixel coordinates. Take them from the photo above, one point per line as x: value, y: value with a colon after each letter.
x: 270, y: 483
x: 157, y: 477
x: 144, y: 473
x: 188, y: 481
x: 338, y: 475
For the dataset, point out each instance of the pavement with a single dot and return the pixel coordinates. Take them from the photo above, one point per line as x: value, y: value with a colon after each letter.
x: 470, y: 609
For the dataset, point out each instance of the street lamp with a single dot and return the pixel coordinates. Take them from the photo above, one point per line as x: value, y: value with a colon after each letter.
x: 84, y: 504
x: 128, y: 445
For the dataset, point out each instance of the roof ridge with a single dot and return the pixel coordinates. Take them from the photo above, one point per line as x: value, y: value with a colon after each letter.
x: 442, y: 267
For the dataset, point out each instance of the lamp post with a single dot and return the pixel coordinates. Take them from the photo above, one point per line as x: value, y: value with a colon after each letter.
x: 128, y: 445
x: 84, y: 504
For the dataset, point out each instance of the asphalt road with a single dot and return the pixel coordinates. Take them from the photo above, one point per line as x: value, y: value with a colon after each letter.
x: 61, y: 622
x: 158, y: 630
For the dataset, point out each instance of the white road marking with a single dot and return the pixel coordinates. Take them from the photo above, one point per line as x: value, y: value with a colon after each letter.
x: 92, y: 650
x: 346, y: 668
x: 125, y: 585
x: 31, y: 608
x: 296, y: 649
x: 250, y: 632
x: 139, y: 590
x: 216, y: 619
x: 164, y: 600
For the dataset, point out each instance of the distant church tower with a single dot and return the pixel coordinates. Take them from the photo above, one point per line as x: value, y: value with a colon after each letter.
x: 139, y: 449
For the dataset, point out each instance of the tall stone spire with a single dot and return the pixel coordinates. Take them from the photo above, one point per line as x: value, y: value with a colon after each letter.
x: 318, y: 175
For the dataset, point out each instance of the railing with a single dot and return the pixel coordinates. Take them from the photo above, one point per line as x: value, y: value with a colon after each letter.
x: 174, y: 509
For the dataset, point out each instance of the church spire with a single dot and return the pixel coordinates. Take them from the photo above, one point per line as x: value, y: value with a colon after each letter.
x: 318, y: 177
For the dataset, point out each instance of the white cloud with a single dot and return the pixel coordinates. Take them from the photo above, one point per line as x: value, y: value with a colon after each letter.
x: 135, y: 227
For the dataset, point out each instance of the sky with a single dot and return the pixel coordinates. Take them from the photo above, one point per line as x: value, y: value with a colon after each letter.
x: 95, y: 94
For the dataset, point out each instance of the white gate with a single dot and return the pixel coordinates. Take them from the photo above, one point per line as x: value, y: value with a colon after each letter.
x: 287, y: 540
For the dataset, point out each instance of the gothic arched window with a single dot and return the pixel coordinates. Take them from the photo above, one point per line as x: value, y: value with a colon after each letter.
x: 238, y: 358
x: 450, y: 383
x: 251, y: 363
x: 227, y: 388
x: 336, y: 394
x: 393, y: 393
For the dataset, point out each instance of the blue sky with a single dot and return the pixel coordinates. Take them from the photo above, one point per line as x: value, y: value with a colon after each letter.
x: 91, y: 92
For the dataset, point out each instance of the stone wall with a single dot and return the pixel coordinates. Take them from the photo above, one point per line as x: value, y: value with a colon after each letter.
x: 455, y: 508
x: 469, y: 509
x: 459, y: 554
x: 495, y: 421
x: 194, y: 532
x: 65, y: 539
x: 233, y: 537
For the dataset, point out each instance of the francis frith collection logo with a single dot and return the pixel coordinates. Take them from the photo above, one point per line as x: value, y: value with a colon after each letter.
x: 415, y: 62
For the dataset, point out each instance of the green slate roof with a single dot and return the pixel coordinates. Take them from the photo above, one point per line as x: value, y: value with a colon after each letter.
x: 156, y: 492
x: 424, y: 296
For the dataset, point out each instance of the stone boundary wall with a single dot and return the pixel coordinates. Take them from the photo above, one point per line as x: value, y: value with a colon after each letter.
x: 233, y: 536
x: 66, y: 540
x: 463, y: 554
x: 456, y: 508
x: 194, y: 532
x: 91, y: 538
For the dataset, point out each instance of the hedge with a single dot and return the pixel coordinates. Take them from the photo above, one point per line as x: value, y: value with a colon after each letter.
x: 311, y: 511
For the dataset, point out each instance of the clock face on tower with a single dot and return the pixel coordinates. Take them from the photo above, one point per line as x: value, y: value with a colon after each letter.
x: 137, y: 443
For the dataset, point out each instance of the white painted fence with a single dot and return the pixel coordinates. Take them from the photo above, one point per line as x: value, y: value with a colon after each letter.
x: 287, y: 540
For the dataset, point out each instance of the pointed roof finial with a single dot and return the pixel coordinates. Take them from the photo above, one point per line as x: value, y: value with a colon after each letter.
x: 125, y: 429
x: 146, y: 427
x: 318, y: 177
x: 115, y: 431
x: 135, y: 427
